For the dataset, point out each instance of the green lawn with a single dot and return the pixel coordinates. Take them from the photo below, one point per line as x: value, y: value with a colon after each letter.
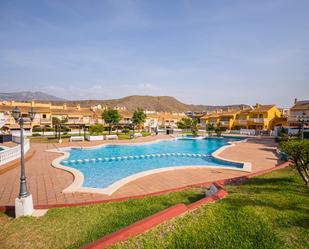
x: 270, y: 211
x: 52, y: 139
x: 76, y: 226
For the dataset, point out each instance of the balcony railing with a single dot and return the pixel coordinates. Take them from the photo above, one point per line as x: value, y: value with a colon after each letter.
x: 224, y: 123
x: 212, y: 122
x: 241, y: 122
x: 293, y: 119
x: 258, y: 120
x: 76, y: 121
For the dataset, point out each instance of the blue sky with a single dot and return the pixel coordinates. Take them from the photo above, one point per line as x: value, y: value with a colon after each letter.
x: 201, y: 52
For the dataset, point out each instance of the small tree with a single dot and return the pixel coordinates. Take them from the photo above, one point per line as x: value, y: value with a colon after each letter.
x: 96, y: 129
x: 298, y: 155
x: 111, y: 117
x: 139, y: 117
x: 194, y: 128
x: 218, y: 131
x: 210, y: 128
x: 185, y: 123
x: 188, y: 123
x: 56, y: 121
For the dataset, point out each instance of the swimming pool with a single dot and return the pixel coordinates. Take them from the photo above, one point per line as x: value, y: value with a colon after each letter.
x: 106, y: 165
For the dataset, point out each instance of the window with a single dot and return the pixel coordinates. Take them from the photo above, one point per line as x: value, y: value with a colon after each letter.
x: 44, y: 116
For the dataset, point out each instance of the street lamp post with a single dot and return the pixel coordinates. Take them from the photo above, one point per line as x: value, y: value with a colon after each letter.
x: 302, y: 119
x: 60, y: 140
x: 23, y: 203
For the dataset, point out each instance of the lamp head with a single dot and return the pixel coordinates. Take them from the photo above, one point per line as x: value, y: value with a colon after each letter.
x: 16, y: 113
x: 31, y: 113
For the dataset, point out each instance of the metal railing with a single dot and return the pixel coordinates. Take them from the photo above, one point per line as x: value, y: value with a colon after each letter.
x: 258, y: 120
x: 224, y: 123
x: 241, y: 122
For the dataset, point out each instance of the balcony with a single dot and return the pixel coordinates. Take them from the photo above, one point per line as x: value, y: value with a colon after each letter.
x: 224, y: 123
x: 258, y: 120
x: 76, y: 121
x: 293, y: 119
x: 212, y: 122
x: 240, y: 122
x: 45, y: 121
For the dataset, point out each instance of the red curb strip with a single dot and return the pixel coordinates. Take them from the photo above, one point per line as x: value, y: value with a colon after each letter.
x: 220, y: 194
x: 145, y: 224
x: 138, y: 227
x: 152, y: 221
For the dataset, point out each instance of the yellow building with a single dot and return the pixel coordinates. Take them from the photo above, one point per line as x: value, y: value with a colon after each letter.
x: 75, y: 115
x: 263, y: 117
x: 227, y: 119
x: 241, y: 119
x: 211, y: 118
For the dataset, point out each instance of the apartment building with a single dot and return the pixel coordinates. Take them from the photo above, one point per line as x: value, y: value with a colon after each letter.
x: 298, y: 110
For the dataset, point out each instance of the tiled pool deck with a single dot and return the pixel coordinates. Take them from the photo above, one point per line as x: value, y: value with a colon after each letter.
x: 45, y: 182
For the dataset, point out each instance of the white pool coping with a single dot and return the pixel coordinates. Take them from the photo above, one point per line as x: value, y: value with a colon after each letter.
x: 77, y: 185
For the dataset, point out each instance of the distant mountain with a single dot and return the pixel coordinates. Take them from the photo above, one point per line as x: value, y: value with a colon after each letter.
x: 28, y: 96
x: 153, y: 103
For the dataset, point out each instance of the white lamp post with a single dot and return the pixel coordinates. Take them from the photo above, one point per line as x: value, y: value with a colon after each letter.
x: 302, y: 119
x: 23, y: 203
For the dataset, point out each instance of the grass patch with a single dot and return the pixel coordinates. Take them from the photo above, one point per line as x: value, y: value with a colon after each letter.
x: 73, y: 227
x: 270, y: 211
x: 52, y: 139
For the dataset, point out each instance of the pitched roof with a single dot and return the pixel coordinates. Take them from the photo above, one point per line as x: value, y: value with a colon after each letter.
x: 125, y: 113
x: 262, y: 108
x: 72, y: 111
x: 245, y: 111
x: 301, y: 105
x: 229, y: 113
x: 24, y: 109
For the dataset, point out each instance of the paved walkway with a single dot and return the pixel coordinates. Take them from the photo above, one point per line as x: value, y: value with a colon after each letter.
x: 46, y: 182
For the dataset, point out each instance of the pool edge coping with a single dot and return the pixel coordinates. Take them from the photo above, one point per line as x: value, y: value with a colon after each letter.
x: 76, y: 185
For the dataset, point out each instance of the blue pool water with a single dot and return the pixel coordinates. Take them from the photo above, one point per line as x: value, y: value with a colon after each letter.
x: 105, y: 165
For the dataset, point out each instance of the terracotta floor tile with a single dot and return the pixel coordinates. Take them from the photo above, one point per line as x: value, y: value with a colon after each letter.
x: 46, y: 182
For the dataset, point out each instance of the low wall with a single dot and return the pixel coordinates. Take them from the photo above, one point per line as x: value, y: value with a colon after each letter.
x: 13, y: 153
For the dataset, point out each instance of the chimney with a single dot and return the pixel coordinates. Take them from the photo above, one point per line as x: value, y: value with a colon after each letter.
x: 64, y: 106
x: 78, y: 107
x: 228, y: 109
x: 257, y: 105
x: 295, y: 100
x: 12, y: 103
x: 243, y: 107
x: 32, y: 103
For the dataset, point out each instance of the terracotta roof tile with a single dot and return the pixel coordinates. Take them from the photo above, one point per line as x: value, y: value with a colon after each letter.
x: 301, y: 105
x: 262, y: 108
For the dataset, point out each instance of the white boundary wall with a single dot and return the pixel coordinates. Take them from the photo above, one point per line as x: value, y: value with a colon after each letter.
x: 13, y: 153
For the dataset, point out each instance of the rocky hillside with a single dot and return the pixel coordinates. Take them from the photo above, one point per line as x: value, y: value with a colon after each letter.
x: 28, y: 96
x: 154, y: 103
